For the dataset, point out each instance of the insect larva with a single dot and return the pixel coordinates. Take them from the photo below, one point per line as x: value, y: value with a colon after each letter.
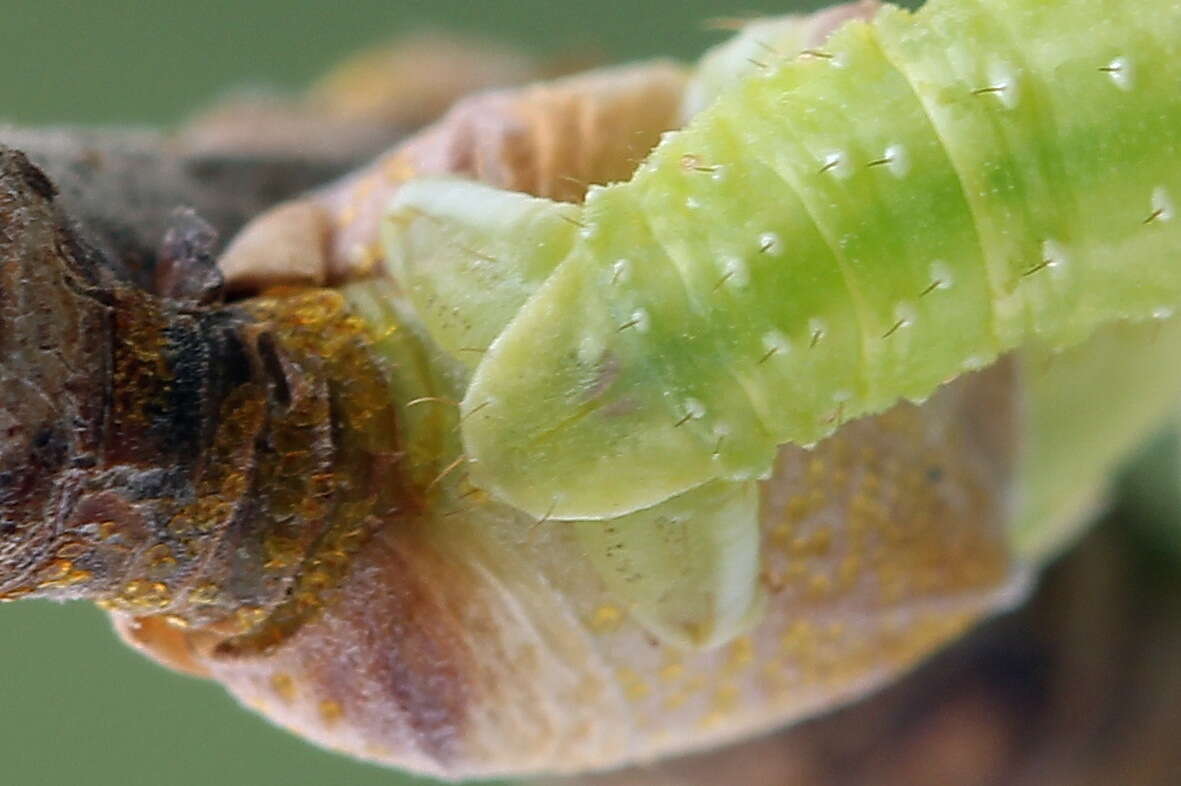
x: 1016, y: 167
x: 835, y: 240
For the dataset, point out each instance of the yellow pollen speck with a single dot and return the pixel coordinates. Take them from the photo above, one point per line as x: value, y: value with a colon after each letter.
x: 725, y: 698
x: 672, y: 672
x: 606, y: 619
x: 234, y: 485
x: 330, y: 711
x: 741, y: 653
x: 284, y: 686
x: 248, y: 617
x: 56, y: 569
x: 633, y: 684
x: 145, y: 595
x: 204, y: 594
x: 60, y: 573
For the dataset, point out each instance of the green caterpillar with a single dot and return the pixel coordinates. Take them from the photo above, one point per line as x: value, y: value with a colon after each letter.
x: 832, y: 234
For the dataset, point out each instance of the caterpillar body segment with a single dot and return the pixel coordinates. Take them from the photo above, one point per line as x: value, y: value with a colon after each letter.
x: 1062, y: 161
x: 911, y: 264
x: 836, y: 234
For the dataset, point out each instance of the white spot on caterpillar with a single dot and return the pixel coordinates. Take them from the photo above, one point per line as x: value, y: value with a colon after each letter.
x: 904, y: 316
x: 692, y: 204
x: 720, y: 431
x: 974, y: 362
x: 941, y: 277
x: 1162, y: 312
x: 640, y: 321
x: 770, y: 243
x: 899, y: 160
x: 1162, y: 205
x: 774, y: 343
x: 736, y: 273
x: 719, y: 173
x: 694, y: 408
x: 836, y: 163
x: 896, y: 159
x: 841, y: 396
x: 816, y: 329
x: 1054, y: 258
x: 621, y: 271
x: 1002, y: 83
x: 1119, y: 71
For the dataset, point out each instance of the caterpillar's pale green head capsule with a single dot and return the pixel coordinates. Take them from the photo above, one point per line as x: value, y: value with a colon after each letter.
x: 456, y: 246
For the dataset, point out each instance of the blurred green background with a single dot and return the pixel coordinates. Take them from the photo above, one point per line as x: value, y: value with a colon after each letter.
x: 79, y: 708
x: 122, y: 61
